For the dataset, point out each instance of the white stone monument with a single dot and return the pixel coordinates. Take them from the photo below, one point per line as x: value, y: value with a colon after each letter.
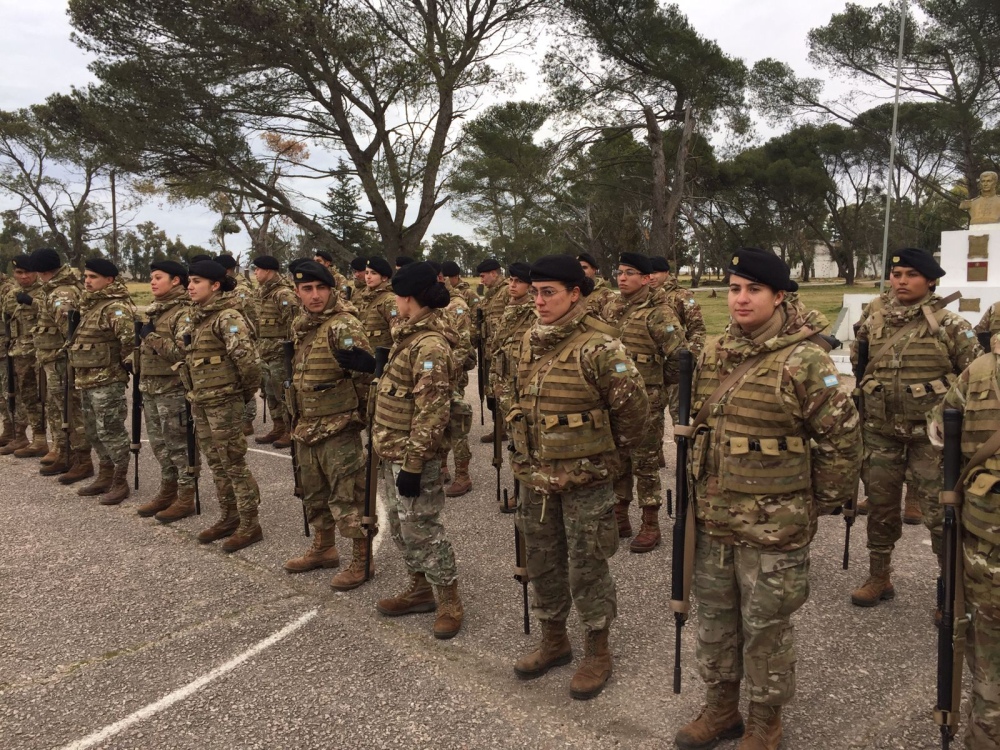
x: 971, y: 260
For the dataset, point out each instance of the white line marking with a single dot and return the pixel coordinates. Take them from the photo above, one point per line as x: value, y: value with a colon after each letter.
x: 190, y: 689
x: 270, y: 453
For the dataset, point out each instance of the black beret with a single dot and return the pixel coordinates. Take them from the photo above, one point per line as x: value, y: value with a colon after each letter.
x: 450, y: 268
x: 638, y: 261
x: 296, y: 262
x: 764, y: 267
x: 659, y: 264
x: 22, y: 262
x: 358, y: 264
x: 267, y: 263
x: 404, y: 260
x: 327, y: 256
x: 226, y: 260
x: 102, y: 267
x: 520, y: 270
x: 919, y: 260
x: 435, y: 265
x: 588, y: 259
x: 380, y: 266
x: 490, y: 264
x: 310, y: 270
x: 199, y: 258
x: 170, y: 267
x: 563, y: 268
x: 414, y: 278
x: 207, y: 269
x: 45, y: 259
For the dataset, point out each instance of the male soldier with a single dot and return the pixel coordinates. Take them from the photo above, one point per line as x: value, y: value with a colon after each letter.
x: 376, y: 306
x: 278, y: 306
x: 222, y: 372
x: 403, y: 260
x: 7, y: 287
x: 975, y: 393
x: 163, y: 396
x: 244, y: 299
x: 61, y: 292
x: 330, y: 407
x: 101, y: 357
x: 759, y: 485
x: 21, y: 306
x: 916, y: 348
x: 652, y: 335
x: 603, y: 294
x: 358, y: 285
x: 325, y: 259
x: 990, y: 322
x: 453, y: 276
x: 493, y: 303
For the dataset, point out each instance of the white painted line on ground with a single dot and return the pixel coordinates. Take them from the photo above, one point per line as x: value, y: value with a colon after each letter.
x: 190, y: 689
x: 270, y: 453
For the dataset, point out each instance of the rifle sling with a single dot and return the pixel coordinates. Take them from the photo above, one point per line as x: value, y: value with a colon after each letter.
x: 730, y: 382
x: 927, y: 317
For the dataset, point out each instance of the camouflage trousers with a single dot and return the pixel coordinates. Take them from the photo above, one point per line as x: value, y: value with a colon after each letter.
x: 55, y: 381
x: 569, y: 538
x: 332, y: 473
x: 458, y: 429
x: 746, y: 597
x: 5, y: 415
x: 166, y: 428
x: 104, y: 413
x: 273, y: 376
x: 250, y: 411
x: 641, y: 465
x: 415, y: 524
x: 673, y: 402
x: 219, y: 428
x: 27, y: 404
x: 982, y: 571
x: 888, y: 463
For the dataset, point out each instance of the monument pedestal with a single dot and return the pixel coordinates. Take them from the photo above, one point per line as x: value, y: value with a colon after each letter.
x: 971, y: 260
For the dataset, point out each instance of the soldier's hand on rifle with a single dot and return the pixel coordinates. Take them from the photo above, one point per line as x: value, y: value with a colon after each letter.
x: 408, y: 484
x: 127, y: 366
x: 249, y: 396
x: 355, y: 359
x: 146, y: 330
x: 491, y: 404
x: 24, y: 298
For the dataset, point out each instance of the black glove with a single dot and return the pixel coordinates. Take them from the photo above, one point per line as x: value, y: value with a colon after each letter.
x: 491, y: 404
x: 24, y: 298
x: 249, y: 396
x: 836, y: 511
x: 355, y: 359
x: 146, y: 330
x: 127, y: 366
x: 408, y: 484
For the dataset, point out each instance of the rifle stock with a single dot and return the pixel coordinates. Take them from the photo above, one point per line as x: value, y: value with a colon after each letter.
x: 136, y: 404
x: 193, y: 467
x: 369, y: 519
x: 288, y: 349
x: 682, y: 560
x: 851, y: 509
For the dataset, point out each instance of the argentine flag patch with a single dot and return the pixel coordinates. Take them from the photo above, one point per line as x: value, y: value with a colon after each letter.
x: 831, y: 380
x: 428, y: 365
x: 348, y: 342
x: 621, y: 367
x: 234, y: 329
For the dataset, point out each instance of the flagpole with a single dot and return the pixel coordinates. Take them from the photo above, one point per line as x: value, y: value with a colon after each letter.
x: 892, y: 146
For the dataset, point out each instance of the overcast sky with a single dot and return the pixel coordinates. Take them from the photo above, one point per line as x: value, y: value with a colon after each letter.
x: 37, y: 58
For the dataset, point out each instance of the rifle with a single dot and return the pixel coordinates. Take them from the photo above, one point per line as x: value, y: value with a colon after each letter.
x: 263, y: 418
x: 193, y: 467
x: 481, y: 356
x: 851, y: 509
x: 11, y: 404
x: 520, y: 559
x: 73, y: 319
x: 136, y: 403
x: 984, y: 338
x: 951, y: 635
x: 369, y: 519
x: 498, y: 458
x: 288, y: 348
x: 682, y: 560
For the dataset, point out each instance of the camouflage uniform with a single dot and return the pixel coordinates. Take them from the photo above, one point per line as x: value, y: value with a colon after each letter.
x: 377, y: 312
x: 459, y: 317
x: 515, y: 322
x: 7, y: 285
x: 990, y: 322
x: 23, y: 318
x: 103, y: 344
x: 573, y: 414
x: 975, y: 393
x: 342, y: 285
x: 278, y: 306
x: 412, y: 413
x: 355, y: 289
x: 759, y: 484
x: 688, y: 312
x: 60, y: 295
x: 469, y: 295
x: 602, y: 296
x: 244, y: 299
x: 493, y: 304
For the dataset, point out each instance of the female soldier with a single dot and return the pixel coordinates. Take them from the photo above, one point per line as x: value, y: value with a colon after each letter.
x: 577, y: 400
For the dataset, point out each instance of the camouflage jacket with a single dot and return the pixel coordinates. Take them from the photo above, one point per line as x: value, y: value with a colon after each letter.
x: 602, y: 296
x: 377, y: 312
x: 342, y: 284
x: 23, y: 319
x: 661, y: 326
x: 413, y: 404
x: 354, y: 290
x: 782, y: 446
x: 459, y: 318
x: 7, y: 288
x: 60, y: 295
x: 688, y: 313
x: 517, y: 319
x: 990, y: 322
x: 277, y: 307
x: 607, y: 378
x: 107, y: 322
x: 468, y: 294
x: 169, y: 314
x: 244, y: 299
x: 494, y: 302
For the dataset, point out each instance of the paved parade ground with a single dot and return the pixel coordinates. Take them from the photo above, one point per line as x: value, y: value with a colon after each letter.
x: 118, y: 632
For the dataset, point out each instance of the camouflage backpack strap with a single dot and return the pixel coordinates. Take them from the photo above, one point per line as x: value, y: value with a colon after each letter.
x: 597, y: 324
x: 564, y: 349
x: 730, y: 382
x: 927, y: 317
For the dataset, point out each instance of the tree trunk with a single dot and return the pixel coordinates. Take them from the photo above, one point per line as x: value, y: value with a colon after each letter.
x: 658, y: 227
x: 677, y: 188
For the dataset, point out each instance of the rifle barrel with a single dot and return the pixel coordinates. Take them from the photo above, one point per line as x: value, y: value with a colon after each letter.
x: 679, y: 575
x: 946, y: 712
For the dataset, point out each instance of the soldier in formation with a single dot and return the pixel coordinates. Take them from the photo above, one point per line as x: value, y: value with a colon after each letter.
x: 277, y: 306
x: 453, y: 276
x: 358, y: 284
x: 492, y: 302
x: 20, y: 308
x: 325, y: 259
x: 603, y: 293
x: 376, y: 307
x: 7, y: 285
x: 242, y: 297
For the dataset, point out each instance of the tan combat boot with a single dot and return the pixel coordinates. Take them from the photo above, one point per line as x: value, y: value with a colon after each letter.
x: 181, y: 507
x: 450, y: 611
x: 105, y: 472
x: 277, y: 430
x: 54, y: 454
x: 82, y: 467
x: 878, y: 587
x: 20, y: 440
x: 60, y: 466
x: 595, y: 669
x: 763, y: 730
x: 8, y: 433
x: 462, y: 483
x: 119, y: 489
x: 419, y: 597
x: 354, y: 574
x: 285, y: 441
x: 554, y: 650
x: 225, y: 526
x: 862, y: 507
x: 247, y: 427
x: 621, y: 515
x: 648, y: 537
x: 248, y: 532
x: 163, y: 499
x: 719, y: 719
x: 322, y: 554
x: 37, y: 448
x: 912, y: 515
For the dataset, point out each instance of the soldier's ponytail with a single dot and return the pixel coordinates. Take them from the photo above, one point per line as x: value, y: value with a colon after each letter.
x: 227, y: 284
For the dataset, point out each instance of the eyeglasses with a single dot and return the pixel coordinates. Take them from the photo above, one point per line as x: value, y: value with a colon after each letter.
x: 629, y: 272
x: 548, y: 292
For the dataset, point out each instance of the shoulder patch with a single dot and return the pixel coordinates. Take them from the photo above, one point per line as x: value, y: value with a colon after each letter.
x: 118, y: 312
x: 392, y: 313
x: 234, y: 329
x: 621, y: 367
x: 691, y: 301
x: 459, y: 310
x: 830, y: 381
x: 670, y: 329
x: 428, y: 364
x: 969, y: 334
x: 348, y: 342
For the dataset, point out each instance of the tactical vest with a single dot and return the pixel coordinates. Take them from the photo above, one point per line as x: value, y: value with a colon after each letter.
x: 641, y: 347
x: 981, y: 508
x: 152, y: 364
x: 47, y: 336
x: 271, y: 309
x: 376, y: 327
x: 559, y: 414
x: 322, y: 387
x: 911, y: 383
x: 394, y: 407
x: 751, y: 443
x: 94, y: 345
x: 23, y: 321
x: 208, y: 362
x: 510, y: 354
